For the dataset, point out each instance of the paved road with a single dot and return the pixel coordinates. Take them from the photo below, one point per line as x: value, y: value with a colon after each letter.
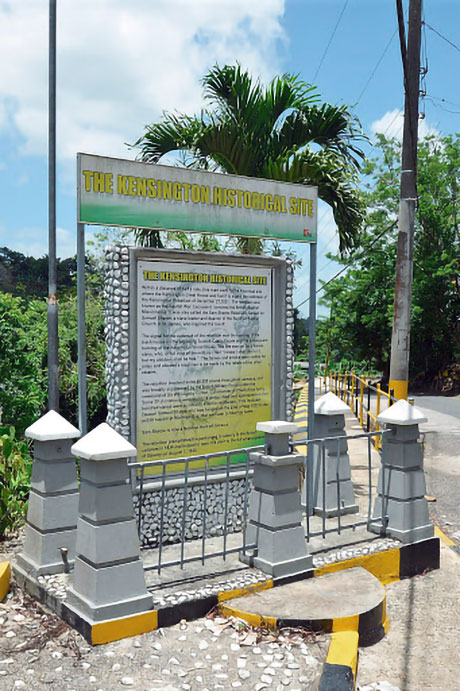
x: 448, y: 405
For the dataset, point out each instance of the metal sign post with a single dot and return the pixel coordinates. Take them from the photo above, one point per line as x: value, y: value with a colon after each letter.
x: 311, y: 378
x: 81, y: 343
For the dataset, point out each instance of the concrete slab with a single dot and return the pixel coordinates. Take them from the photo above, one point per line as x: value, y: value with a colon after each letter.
x: 338, y: 595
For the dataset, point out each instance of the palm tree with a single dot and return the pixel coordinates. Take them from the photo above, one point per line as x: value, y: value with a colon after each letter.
x: 279, y: 132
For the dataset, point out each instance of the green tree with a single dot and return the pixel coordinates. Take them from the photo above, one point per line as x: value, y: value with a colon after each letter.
x: 361, y: 300
x: 279, y: 132
x: 23, y: 359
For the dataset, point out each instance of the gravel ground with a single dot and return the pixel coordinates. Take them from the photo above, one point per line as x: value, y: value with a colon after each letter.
x: 39, y: 651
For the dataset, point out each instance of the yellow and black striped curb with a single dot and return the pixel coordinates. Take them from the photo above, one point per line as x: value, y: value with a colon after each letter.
x: 5, y: 577
x: 370, y: 626
x: 341, y: 666
x: 389, y: 566
x: 446, y: 540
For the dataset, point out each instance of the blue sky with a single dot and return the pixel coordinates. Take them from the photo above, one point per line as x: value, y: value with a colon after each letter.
x: 120, y: 64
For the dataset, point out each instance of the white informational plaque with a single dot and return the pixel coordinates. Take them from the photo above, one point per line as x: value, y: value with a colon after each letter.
x: 204, y: 357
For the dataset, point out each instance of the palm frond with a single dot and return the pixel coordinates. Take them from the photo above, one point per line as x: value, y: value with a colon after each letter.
x: 176, y: 132
x: 325, y: 171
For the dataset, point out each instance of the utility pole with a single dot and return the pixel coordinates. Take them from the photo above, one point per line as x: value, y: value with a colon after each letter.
x: 400, y: 340
x: 53, y: 381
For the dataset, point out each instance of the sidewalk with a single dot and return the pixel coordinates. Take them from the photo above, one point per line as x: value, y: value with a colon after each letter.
x: 421, y: 648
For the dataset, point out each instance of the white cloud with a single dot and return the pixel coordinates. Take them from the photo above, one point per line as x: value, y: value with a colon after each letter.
x: 392, y: 123
x: 120, y: 64
x: 328, y: 241
x: 33, y: 241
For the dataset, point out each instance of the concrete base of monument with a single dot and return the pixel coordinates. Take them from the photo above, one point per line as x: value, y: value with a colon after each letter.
x: 333, y: 513
x: 193, y: 591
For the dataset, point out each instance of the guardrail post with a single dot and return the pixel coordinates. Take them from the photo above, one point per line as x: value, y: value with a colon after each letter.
x: 377, y: 413
x: 275, y: 515
x: 401, y: 486
x: 330, y: 422
x: 49, y: 540
x: 108, y: 580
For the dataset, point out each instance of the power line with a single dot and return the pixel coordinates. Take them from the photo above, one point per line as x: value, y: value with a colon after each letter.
x: 377, y: 65
x: 351, y: 261
x: 441, y: 36
x: 438, y: 105
x: 330, y: 40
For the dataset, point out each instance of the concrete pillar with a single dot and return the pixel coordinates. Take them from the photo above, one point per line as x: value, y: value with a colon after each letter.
x: 108, y: 581
x: 330, y: 422
x: 401, y: 486
x: 49, y: 540
x: 275, y: 517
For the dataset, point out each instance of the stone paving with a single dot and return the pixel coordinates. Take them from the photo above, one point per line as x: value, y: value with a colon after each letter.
x: 38, y: 651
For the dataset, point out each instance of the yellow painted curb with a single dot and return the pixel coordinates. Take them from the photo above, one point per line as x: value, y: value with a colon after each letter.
x: 345, y: 624
x: 382, y: 565
x: 5, y: 578
x: 247, y: 590
x: 252, y: 619
x: 443, y: 537
x: 115, y: 629
x: 343, y: 650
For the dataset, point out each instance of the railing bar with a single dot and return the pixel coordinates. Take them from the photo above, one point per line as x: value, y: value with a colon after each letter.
x: 368, y: 423
x: 323, y: 466
x: 369, y: 464
x: 307, y: 490
x: 384, y: 507
x: 184, y: 459
x: 319, y: 533
x: 245, y: 502
x: 162, y: 516
x: 205, y: 506
x: 339, y: 508
x: 184, y: 511
x: 342, y: 436
x: 141, y: 500
x: 189, y: 560
x: 226, y: 503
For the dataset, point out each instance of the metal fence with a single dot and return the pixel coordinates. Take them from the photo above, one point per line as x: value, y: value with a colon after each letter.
x: 211, y: 464
x: 320, y: 455
x: 159, y: 471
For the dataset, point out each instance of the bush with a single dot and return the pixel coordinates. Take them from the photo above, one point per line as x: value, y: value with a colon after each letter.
x: 15, y: 471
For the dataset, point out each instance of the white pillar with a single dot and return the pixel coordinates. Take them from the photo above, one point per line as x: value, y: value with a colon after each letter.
x: 401, y: 486
x: 49, y: 541
x: 332, y: 466
x: 108, y: 580
x: 275, y: 514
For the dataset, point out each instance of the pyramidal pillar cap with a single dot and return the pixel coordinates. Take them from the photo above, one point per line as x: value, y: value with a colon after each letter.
x: 276, y: 427
x: 51, y: 427
x: 401, y: 413
x: 330, y: 404
x: 103, y: 444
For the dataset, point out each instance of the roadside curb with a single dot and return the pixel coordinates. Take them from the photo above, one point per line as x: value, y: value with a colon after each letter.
x: 5, y: 578
x: 341, y: 666
x: 446, y: 540
x: 387, y: 566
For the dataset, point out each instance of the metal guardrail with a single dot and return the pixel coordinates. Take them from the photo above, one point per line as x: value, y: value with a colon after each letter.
x: 356, y: 391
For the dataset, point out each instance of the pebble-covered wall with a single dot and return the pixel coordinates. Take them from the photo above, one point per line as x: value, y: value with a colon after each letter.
x: 118, y: 405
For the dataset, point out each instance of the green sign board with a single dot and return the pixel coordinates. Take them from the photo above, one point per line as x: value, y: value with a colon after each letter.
x: 118, y: 192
